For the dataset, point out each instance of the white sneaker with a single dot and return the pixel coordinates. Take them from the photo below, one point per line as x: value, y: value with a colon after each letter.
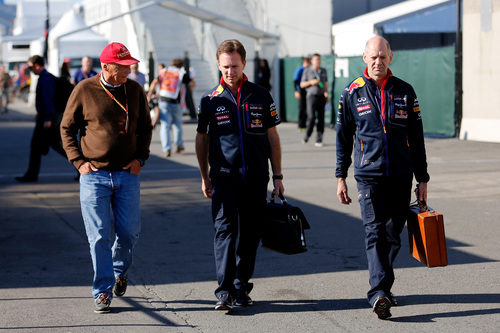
x: 318, y: 144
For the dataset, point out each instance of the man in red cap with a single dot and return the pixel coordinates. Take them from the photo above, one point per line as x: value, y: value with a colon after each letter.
x: 111, y: 115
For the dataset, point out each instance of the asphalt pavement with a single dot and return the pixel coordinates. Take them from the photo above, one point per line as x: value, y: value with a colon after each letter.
x: 46, y: 272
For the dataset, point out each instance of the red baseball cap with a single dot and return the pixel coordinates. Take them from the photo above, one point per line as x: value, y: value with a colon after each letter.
x: 117, y: 53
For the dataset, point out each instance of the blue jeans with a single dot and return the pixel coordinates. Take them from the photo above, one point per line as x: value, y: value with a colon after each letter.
x: 170, y: 114
x: 100, y: 193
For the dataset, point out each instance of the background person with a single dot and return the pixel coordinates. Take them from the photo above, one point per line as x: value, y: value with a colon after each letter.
x: 5, y: 87
x: 85, y: 71
x: 136, y: 75
x: 170, y: 81
x: 45, y: 134
x: 300, y: 93
x: 315, y: 81
x: 189, y: 84
x: 264, y: 74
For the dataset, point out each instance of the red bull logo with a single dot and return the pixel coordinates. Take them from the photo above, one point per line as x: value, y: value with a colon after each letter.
x: 358, y: 83
x: 401, y: 114
x: 256, y: 123
x: 217, y: 91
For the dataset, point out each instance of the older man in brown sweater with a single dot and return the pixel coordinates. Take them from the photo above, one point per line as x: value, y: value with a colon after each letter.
x: 111, y: 115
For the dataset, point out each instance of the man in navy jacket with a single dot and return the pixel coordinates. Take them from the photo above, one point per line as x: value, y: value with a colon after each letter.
x: 380, y: 116
x: 235, y: 141
x: 45, y: 134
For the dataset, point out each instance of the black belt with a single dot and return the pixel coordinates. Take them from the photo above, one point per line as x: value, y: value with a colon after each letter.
x: 169, y: 100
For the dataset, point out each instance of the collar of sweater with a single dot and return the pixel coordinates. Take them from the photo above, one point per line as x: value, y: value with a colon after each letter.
x: 107, y: 84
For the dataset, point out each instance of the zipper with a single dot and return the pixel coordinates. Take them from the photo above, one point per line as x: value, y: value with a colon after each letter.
x: 362, y: 154
x: 383, y: 115
x: 237, y: 102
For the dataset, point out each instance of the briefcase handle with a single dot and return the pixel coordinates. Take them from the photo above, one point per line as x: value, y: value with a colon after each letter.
x: 281, y: 196
x: 422, y: 205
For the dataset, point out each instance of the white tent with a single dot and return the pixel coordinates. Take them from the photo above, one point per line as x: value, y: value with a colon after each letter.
x: 74, y: 46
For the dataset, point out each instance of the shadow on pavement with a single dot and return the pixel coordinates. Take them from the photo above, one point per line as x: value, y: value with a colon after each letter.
x: 43, y: 241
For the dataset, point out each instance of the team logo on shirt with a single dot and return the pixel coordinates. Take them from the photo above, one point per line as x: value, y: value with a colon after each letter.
x: 221, y: 110
x: 224, y: 116
x: 358, y: 83
x: 401, y: 114
x: 364, y: 107
x: 217, y: 91
x: 400, y: 101
x: 256, y: 123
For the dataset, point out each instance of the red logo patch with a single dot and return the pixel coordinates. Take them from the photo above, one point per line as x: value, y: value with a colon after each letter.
x: 224, y: 116
x: 364, y: 107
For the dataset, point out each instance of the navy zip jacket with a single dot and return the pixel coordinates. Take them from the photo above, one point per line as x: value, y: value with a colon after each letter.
x: 44, y: 99
x: 384, y: 126
x: 237, y: 127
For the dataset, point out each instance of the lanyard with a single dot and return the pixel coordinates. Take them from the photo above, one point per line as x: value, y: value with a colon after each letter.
x: 237, y: 102
x: 125, y: 108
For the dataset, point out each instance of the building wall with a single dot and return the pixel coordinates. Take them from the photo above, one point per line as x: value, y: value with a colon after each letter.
x: 481, y: 46
x: 117, y: 30
x: 304, y: 27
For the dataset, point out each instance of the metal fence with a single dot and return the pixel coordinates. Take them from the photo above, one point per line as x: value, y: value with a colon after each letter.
x: 431, y: 72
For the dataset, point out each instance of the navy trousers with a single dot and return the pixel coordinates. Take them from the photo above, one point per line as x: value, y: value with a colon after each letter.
x: 237, y: 212
x: 384, y: 205
x: 42, y: 139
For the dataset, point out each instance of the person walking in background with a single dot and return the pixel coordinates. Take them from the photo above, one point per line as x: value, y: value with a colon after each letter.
x: 264, y: 74
x: 85, y: 71
x: 189, y: 84
x: 136, y: 75
x: 5, y: 86
x: 65, y: 74
x: 15, y: 76
x: 170, y: 80
x: 112, y: 115
x: 300, y: 93
x: 153, y: 98
x: 237, y: 137
x: 314, y: 80
x: 45, y: 134
x: 379, y: 114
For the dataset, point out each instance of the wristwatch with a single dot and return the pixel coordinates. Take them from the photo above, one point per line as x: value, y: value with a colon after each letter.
x: 141, y: 162
x: 280, y: 177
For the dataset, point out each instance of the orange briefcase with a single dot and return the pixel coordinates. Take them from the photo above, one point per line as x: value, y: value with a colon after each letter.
x: 426, y: 236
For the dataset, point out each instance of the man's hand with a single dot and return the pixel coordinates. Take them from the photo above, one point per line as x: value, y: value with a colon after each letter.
x: 206, y: 187
x: 297, y: 94
x: 314, y: 82
x: 422, y: 192
x: 278, y: 187
x: 86, y: 168
x: 134, y: 167
x: 47, y: 124
x: 342, y: 192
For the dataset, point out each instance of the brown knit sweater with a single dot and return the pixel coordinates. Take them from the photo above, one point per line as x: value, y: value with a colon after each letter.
x: 101, y: 122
